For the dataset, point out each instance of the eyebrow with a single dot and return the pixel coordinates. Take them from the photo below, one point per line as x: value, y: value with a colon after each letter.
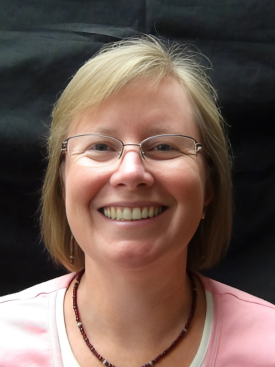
x: 163, y: 131
x: 104, y: 131
x: 112, y: 131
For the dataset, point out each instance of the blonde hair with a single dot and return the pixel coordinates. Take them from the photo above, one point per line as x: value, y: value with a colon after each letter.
x: 115, y: 66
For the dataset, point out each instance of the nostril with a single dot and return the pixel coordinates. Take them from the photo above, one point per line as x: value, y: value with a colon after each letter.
x: 131, y: 171
x: 131, y: 176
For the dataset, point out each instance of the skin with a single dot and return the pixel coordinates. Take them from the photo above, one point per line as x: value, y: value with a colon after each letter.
x: 135, y: 297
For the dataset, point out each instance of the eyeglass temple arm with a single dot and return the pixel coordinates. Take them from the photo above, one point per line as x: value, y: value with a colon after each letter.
x: 64, y: 146
x: 198, y: 147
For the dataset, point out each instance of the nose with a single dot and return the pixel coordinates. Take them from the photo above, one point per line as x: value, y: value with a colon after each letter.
x: 131, y: 171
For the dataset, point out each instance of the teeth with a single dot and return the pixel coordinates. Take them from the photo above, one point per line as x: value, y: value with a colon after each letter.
x: 119, y: 214
x: 151, y: 212
x: 132, y: 213
x: 127, y: 215
x: 113, y: 213
x: 136, y: 214
x: 144, y: 213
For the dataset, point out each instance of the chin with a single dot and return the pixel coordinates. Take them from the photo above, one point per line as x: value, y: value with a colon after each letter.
x: 133, y: 254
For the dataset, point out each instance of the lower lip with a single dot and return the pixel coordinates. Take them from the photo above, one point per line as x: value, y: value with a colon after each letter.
x: 131, y: 223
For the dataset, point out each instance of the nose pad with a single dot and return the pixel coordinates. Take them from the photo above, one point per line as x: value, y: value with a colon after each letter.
x: 140, y: 151
x: 131, y: 144
x: 131, y: 171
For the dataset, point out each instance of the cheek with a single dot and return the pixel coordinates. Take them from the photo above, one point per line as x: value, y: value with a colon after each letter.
x: 81, y: 187
x: 186, y: 184
x: 189, y: 196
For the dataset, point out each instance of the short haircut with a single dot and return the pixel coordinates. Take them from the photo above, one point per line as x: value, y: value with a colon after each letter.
x: 113, y: 67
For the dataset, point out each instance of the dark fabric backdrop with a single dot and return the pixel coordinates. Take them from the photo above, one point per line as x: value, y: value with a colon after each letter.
x: 43, y: 43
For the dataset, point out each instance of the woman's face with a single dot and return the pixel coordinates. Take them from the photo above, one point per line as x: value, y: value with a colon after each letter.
x: 178, y: 186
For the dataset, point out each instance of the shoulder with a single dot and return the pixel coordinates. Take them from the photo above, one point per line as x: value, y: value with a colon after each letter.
x: 39, y: 289
x: 28, y: 325
x: 243, y: 329
x: 223, y: 291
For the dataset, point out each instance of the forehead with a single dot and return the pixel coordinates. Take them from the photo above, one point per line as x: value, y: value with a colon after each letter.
x: 139, y: 110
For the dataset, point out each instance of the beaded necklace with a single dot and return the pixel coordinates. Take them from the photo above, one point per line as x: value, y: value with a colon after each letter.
x: 160, y: 356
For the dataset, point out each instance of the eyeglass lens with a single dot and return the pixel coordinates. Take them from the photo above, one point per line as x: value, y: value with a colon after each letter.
x: 96, y: 150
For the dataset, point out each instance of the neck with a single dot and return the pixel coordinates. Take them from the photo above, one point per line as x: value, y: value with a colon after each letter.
x: 157, y: 299
x: 135, y: 315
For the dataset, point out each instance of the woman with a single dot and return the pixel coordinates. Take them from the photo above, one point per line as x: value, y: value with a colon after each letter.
x: 137, y: 192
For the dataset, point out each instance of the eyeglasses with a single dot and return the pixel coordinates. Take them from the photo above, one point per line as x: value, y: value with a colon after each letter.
x: 94, y: 150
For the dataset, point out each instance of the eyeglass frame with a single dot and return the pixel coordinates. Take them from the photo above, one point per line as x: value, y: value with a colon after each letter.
x: 64, y: 147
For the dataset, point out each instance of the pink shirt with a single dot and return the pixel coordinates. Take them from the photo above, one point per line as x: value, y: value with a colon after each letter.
x: 243, y: 329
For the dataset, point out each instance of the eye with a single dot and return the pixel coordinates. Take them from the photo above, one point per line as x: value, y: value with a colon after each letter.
x: 163, y: 147
x: 101, y: 147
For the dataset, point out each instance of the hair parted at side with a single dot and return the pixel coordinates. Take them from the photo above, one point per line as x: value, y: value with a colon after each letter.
x: 112, y: 68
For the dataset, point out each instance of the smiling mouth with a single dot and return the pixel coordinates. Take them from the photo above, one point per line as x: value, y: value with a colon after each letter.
x: 124, y: 213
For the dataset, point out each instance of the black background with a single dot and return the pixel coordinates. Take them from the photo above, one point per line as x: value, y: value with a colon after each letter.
x: 43, y: 43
